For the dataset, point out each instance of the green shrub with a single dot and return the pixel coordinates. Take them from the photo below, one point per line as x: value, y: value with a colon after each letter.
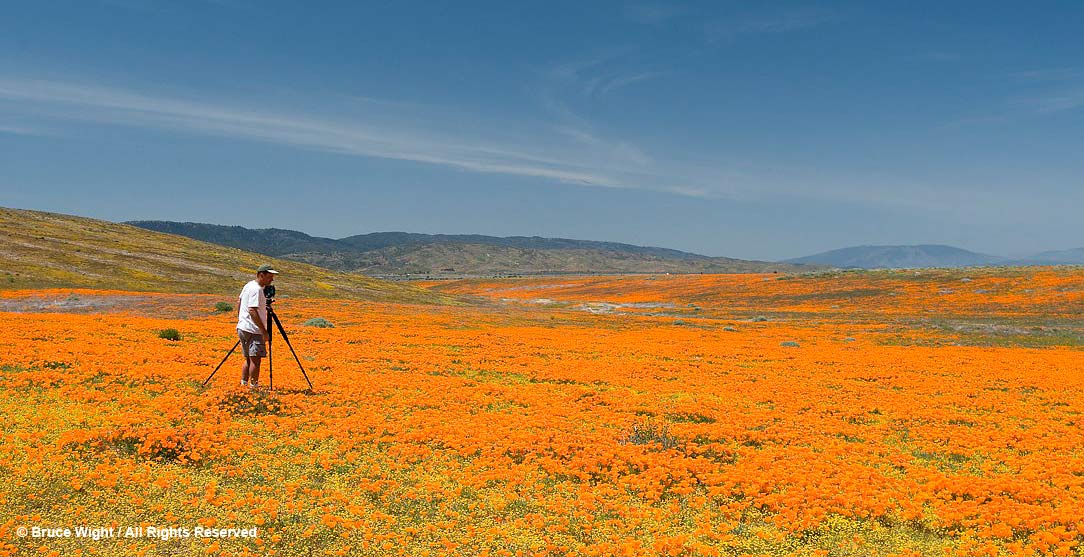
x: 319, y: 322
x: 169, y: 334
x: 789, y: 343
x: 223, y: 307
x: 648, y: 433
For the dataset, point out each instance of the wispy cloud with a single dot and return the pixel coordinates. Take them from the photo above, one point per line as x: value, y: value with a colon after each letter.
x: 1028, y: 94
x: 776, y: 22
x: 545, y: 153
x: 1058, y: 101
x: 585, y: 156
x: 601, y: 73
x: 15, y: 129
x: 113, y: 106
x: 1048, y: 75
x: 1051, y: 89
x: 602, y: 85
x: 653, y: 13
x: 576, y: 68
x: 569, y: 90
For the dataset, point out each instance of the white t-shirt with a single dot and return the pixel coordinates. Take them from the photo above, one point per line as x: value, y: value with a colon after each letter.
x: 251, y: 297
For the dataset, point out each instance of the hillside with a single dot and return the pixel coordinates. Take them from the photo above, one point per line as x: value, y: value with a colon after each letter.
x: 1059, y: 257
x: 401, y: 253
x: 899, y: 257
x: 48, y: 250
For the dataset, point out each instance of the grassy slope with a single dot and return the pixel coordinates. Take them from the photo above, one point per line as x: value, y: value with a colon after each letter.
x: 48, y: 250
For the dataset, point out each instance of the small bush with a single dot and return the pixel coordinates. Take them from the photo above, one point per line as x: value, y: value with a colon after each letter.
x: 649, y: 433
x: 223, y: 307
x: 789, y: 344
x: 319, y: 322
x: 169, y: 334
x: 759, y: 319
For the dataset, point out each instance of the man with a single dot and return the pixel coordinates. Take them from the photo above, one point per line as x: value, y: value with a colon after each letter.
x: 252, y: 325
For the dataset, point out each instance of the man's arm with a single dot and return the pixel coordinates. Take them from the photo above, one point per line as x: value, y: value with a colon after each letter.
x: 254, y: 313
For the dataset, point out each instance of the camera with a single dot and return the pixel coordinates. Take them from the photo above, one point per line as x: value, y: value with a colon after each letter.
x: 269, y: 293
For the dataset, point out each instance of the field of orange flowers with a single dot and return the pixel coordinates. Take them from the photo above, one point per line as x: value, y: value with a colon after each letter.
x: 903, y: 413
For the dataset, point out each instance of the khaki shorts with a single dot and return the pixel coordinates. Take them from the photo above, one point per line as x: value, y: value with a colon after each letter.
x: 252, y: 345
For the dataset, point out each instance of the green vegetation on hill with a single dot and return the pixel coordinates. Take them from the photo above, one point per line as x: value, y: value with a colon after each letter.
x: 48, y: 250
x: 397, y: 254
x: 439, y: 259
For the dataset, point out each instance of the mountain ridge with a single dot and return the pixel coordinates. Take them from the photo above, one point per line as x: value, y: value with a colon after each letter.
x: 930, y: 255
x: 411, y: 254
x: 1073, y: 256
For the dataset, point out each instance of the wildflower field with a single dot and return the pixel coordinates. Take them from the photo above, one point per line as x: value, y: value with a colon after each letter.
x: 847, y: 413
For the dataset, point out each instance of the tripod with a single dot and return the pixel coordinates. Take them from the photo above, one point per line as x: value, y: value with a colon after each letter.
x: 271, y: 317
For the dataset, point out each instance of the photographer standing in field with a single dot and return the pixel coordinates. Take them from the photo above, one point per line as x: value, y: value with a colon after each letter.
x: 252, y: 324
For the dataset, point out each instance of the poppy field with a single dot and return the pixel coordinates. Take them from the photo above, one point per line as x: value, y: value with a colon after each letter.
x: 849, y: 413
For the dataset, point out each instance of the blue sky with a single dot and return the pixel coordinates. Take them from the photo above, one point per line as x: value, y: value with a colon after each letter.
x: 758, y: 130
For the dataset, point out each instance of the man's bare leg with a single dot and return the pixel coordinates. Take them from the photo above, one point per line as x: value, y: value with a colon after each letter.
x: 254, y: 371
x: 245, y: 372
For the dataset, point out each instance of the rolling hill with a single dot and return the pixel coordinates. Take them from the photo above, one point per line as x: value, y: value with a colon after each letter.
x: 397, y: 254
x: 48, y: 250
x: 899, y: 257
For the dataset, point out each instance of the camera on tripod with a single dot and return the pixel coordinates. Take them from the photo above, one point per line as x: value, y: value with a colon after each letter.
x: 269, y: 293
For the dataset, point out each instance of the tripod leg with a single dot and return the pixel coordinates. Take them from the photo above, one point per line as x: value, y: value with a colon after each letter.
x: 270, y: 364
x: 235, y: 345
x: 282, y: 331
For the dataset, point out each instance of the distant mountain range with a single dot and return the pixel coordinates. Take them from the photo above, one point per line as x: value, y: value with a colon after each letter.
x: 1062, y: 257
x: 397, y: 254
x: 901, y: 257
x: 392, y: 254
